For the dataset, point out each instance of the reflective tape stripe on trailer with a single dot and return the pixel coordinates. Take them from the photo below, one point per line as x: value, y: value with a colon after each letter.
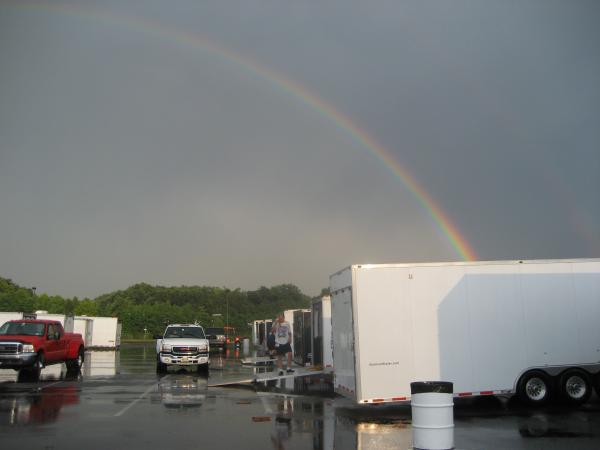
x: 491, y: 392
x: 459, y: 394
x: 385, y: 400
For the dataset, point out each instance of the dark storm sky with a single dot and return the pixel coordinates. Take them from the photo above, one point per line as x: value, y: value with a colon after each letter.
x: 128, y: 155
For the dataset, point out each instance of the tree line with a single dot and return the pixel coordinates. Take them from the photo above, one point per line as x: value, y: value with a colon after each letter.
x: 144, y: 309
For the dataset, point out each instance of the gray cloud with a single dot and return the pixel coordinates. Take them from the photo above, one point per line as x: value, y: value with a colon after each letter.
x: 128, y: 156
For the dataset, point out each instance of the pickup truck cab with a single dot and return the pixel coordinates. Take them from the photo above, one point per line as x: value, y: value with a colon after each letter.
x: 182, y: 345
x: 216, y: 337
x: 30, y: 345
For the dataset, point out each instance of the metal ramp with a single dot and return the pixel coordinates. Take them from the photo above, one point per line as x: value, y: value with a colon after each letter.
x: 258, y: 361
x: 268, y: 376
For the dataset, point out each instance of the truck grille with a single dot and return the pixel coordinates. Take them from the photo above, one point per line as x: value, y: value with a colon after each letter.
x: 10, y: 349
x: 185, y: 350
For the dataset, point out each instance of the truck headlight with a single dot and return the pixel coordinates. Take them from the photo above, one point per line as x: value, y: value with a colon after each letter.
x: 166, y: 348
x: 28, y: 348
x: 203, y: 347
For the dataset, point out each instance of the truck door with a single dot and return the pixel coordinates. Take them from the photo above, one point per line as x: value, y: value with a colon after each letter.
x: 52, y: 343
x: 61, y: 350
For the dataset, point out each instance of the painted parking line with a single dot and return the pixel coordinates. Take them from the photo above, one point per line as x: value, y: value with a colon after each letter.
x: 44, y: 386
x: 134, y: 402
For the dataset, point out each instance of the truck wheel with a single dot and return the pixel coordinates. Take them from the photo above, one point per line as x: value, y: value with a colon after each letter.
x: 28, y: 375
x: 160, y: 367
x: 575, y: 387
x: 202, y: 369
x: 40, y: 362
x: 75, y: 365
x: 534, y: 387
x: 597, y: 383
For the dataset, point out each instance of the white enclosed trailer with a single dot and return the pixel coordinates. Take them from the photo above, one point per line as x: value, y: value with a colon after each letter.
x: 66, y: 321
x: 491, y: 328
x: 322, y: 352
x: 260, y: 329
x: 256, y: 332
x: 8, y: 316
x: 288, y: 316
x: 106, y: 332
x: 85, y: 327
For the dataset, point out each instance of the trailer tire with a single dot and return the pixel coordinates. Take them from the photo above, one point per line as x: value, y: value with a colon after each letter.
x: 597, y: 383
x: 535, y: 387
x: 575, y: 387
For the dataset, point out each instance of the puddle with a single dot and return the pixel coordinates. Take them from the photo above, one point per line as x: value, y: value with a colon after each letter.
x: 554, y: 426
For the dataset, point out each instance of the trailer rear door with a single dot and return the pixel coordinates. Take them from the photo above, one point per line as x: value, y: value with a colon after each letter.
x: 343, y: 338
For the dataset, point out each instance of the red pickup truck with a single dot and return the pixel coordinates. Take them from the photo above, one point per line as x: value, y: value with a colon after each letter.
x: 32, y: 344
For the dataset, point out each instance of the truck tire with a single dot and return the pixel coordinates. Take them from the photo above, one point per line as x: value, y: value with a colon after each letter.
x: 160, y: 367
x: 202, y: 369
x: 535, y: 387
x: 28, y: 375
x: 575, y: 387
x: 40, y: 362
x: 75, y: 365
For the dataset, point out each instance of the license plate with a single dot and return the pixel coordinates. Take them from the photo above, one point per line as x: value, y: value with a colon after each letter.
x: 184, y: 360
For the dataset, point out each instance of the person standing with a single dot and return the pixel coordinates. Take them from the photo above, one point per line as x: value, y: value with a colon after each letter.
x: 283, y: 340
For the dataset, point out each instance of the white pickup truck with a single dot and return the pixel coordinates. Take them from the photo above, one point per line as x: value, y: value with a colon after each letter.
x: 182, y: 345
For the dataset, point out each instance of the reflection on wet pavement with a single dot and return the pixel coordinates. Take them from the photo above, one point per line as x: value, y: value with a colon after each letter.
x: 118, y: 397
x: 101, y: 363
x: 178, y: 391
x: 542, y: 425
x: 36, y: 406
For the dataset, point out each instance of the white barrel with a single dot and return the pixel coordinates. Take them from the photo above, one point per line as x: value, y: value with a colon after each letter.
x: 432, y: 415
x: 246, y: 346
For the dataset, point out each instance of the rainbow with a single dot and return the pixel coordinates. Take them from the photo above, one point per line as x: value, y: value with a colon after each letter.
x: 290, y: 87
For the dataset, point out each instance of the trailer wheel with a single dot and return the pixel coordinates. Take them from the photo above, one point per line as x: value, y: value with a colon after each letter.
x: 575, y: 387
x: 534, y: 387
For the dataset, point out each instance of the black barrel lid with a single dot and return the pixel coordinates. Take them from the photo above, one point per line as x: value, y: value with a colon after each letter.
x: 424, y: 387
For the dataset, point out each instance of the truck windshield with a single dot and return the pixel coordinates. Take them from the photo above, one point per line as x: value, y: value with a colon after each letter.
x: 215, y: 330
x: 22, y: 328
x: 184, y: 332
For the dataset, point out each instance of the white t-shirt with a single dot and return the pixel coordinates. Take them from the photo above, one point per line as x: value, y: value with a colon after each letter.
x: 282, y: 333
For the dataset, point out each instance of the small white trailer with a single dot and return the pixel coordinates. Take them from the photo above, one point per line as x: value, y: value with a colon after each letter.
x: 85, y: 327
x: 8, y: 316
x: 288, y: 316
x: 322, y: 352
x: 106, y: 332
x: 256, y: 332
x: 491, y: 328
x: 260, y: 329
x: 66, y: 321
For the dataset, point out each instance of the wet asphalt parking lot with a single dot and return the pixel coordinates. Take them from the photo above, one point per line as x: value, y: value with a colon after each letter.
x: 119, y: 402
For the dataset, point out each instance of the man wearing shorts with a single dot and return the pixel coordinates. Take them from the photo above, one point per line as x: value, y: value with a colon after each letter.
x: 283, y: 339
